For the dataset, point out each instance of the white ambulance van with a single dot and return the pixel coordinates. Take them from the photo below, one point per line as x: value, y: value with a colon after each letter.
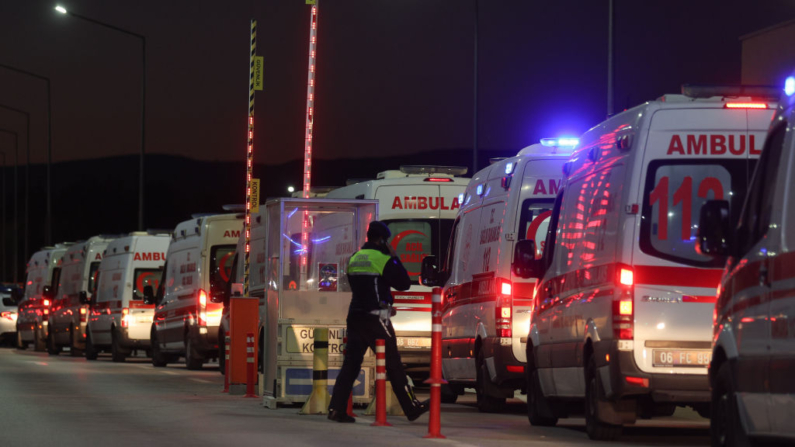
x: 190, y: 299
x: 119, y: 320
x: 486, y: 308
x: 622, y: 318
x: 69, y: 309
x: 41, y: 283
x: 753, y: 350
x: 419, y: 204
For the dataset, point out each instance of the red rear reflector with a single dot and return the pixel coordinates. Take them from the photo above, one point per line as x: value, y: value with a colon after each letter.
x: 626, y: 277
x: 438, y: 179
x: 504, y: 333
x: 637, y: 381
x: 745, y: 105
x: 515, y: 368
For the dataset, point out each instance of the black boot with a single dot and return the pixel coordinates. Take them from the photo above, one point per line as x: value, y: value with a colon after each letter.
x: 340, y: 416
x: 418, y: 409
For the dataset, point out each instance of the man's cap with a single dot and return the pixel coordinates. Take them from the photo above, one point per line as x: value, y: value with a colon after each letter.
x: 378, y: 229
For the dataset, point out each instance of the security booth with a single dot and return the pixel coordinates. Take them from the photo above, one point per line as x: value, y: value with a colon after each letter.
x: 307, y: 244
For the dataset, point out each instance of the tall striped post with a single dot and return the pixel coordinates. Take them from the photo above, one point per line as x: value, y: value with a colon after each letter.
x: 249, y: 156
x: 436, y: 381
x: 227, y: 339
x: 380, y: 385
x: 319, y: 400
x: 251, y: 367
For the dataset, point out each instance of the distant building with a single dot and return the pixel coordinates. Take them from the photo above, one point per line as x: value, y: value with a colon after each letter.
x: 768, y: 55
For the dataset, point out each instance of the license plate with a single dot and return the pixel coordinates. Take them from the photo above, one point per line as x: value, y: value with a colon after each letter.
x: 413, y: 342
x: 145, y: 319
x: 674, y: 357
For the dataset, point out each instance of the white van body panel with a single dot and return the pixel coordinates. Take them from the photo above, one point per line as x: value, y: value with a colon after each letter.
x: 43, y: 269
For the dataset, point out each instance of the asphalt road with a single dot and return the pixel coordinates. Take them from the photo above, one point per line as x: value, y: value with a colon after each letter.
x: 65, y: 402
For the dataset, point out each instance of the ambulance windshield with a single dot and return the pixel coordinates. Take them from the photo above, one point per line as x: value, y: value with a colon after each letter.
x: 146, y: 277
x: 414, y: 239
x: 674, y: 192
x: 535, y: 221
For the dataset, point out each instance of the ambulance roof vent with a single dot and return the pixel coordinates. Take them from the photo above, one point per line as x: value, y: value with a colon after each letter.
x: 496, y: 160
x: 235, y: 208
x: 158, y: 232
x: 137, y: 233
x: 454, y: 171
x: 63, y: 244
x: 200, y: 215
x: 353, y: 181
x: 709, y: 91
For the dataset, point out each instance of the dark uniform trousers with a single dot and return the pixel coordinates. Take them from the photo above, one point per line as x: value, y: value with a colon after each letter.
x: 363, y: 330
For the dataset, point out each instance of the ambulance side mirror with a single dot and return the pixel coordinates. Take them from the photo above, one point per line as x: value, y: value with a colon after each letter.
x: 16, y: 295
x: 149, y: 295
x: 714, y: 229
x: 525, y: 264
x: 429, y: 273
x: 83, y: 297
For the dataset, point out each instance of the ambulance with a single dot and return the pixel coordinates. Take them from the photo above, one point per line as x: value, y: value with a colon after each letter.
x: 119, y: 321
x: 419, y: 204
x: 486, y: 309
x: 753, y: 348
x: 69, y: 309
x: 41, y: 283
x: 295, y: 301
x: 190, y: 300
x: 621, y: 325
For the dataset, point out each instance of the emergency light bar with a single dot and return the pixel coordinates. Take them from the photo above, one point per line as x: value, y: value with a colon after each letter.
x: 560, y: 142
x: 789, y: 86
x: 708, y: 91
x: 427, y: 169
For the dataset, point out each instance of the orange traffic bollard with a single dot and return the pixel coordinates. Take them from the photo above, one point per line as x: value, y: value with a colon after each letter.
x: 380, y: 385
x: 251, y: 367
x: 436, y: 381
x: 226, y: 363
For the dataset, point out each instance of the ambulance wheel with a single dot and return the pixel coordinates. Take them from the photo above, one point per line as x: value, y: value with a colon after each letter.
x: 596, y: 428
x: 449, y: 394
x: 486, y: 403
x: 159, y: 359
x: 538, y: 411
x: 38, y: 343
x: 21, y: 345
x: 74, y: 343
x: 52, y: 349
x: 91, y: 351
x: 193, y: 360
x: 117, y: 353
x: 725, y: 426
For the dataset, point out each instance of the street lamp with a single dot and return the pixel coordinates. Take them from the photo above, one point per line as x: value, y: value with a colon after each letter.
x: 16, y: 192
x: 290, y: 189
x: 64, y: 11
x: 48, y: 211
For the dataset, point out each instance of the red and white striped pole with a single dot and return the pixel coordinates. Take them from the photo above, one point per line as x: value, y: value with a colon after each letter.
x: 436, y: 381
x: 380, y: 385
x: 226, y: 362
x: 250, y: 366
x: 350, y: 398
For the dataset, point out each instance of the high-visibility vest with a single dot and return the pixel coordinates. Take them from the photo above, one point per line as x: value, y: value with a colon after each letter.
x: 368, y: 263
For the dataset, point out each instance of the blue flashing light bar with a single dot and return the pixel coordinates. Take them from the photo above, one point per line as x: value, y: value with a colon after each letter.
x: 560, y: 142
x: 789, y: 86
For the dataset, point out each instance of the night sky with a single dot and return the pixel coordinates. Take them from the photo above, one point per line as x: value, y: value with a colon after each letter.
x: 395, y: 79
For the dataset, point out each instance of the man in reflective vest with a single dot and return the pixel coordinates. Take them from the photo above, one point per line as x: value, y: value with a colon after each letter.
x: 372, y: 271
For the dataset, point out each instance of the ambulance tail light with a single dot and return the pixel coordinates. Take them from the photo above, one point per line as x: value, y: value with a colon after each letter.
x: 745, y: 105
x: 125, y: 317
x: 624, y: 305
x: 83, y: 314
x: 504, y: 316
x: 202, y: 308
x: 438, y: 179
x: 46, y: 303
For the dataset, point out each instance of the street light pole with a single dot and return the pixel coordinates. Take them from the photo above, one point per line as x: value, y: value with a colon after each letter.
x: 609, y: 58
x: 63, y: 10
x: 48, y: 214
x: 3, y: 239
x: 15, y: 267
x: 475, y: 108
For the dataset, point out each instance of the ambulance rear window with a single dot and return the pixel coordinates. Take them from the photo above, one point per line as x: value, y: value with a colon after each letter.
x: 673, y: 195
x: 414, y: 239
x: 146, y: 277
x: 221, y: 257
x: 534, y: 222
x: 93, y: 274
